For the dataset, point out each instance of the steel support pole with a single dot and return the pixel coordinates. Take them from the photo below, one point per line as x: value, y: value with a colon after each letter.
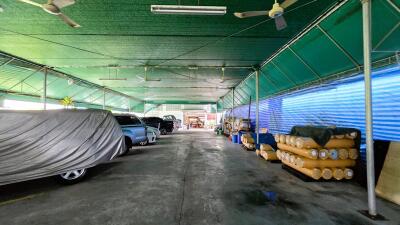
x: 45, y: 89
x: 257, y: 107
x: 366, y: 17
x: 233, y: 107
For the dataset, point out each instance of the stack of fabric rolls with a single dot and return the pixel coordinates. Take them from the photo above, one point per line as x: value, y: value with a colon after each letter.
x: 334, y: 160
x: 248, y: 141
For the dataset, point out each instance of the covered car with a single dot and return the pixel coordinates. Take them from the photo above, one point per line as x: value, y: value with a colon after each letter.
x: 36, y: 144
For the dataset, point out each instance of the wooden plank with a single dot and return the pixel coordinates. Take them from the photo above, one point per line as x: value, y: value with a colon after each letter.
x: 389, y: 181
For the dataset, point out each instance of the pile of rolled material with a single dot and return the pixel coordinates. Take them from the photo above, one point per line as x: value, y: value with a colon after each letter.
x: 332, y: 161
x: 267, y: 152
x: 248, y: 141
x: 247, y: 138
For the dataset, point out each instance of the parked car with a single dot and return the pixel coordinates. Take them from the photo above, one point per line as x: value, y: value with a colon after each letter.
x: 165, y: 127
x: 179, y: 123
x: 61, y: 143
x: 151, y: 137
x: 174, y: 120
x: 134, y: 130
x: 155, y: 130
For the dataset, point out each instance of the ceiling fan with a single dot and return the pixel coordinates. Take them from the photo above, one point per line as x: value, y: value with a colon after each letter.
x: 54, y: 7
x: 145, y: 79
x: 275, y: 13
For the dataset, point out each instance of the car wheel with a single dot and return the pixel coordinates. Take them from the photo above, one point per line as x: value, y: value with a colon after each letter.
x: 128, y: 146
x: 72, y: 177
x: 144, y: 143
x: 163, y: 131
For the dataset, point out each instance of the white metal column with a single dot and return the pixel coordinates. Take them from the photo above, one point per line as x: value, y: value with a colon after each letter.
x: 45, y: 89
x: 366, y: 17
x: 257, y: 107
x: 233, y: 107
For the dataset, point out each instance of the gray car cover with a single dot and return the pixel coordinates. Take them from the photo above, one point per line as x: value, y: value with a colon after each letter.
x: 36, y: 144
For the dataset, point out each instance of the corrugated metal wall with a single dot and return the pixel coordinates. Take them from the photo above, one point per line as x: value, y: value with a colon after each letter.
x: 340, y: 103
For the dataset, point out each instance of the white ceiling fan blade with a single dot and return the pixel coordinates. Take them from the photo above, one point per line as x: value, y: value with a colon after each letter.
x: 32, y: 3
x: 280, y: 23
x: 287, y: 3
x: 61, y: 3
x: 69, y: 21
x: 250, y: 14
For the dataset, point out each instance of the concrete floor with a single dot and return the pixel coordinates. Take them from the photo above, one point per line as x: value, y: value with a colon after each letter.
x: 191, y: 178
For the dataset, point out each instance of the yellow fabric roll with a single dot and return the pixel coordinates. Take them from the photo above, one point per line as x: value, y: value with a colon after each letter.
x: 333, y: 154
x: 318, y: 163
x: 249, y: 145
x: 348, y: 173
x: 323, y: 154
x: 338, y: 173
x: 339, y: 136
x: 353, y: 153
x: 282, y: 139
x: 278, y: 154
x: 309, y: 153
x: 292, y: 141
x: 304, y: 142
x: 292, y: 158
x: 269, y: 155
x: 343, y: 153
x: 352, y: 135
x: 277, y: 138
x: 314, y: 173
x: 340, y: 143
x: 287, y: 139
x: 327, y: 173
x: 265, y: 147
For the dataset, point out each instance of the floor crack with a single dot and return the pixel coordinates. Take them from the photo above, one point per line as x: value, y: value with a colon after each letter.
x: 185, y: 169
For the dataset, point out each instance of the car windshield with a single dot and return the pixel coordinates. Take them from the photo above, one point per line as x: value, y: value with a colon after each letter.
x: 170, y: 117
x: 128, y: 120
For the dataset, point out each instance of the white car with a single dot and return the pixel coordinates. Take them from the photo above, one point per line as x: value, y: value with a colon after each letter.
x: 151, y: 137
x: 155, y: 130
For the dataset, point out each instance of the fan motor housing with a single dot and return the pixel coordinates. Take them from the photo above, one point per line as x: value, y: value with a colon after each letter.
x: 276, y: 11
x: 52, y: 9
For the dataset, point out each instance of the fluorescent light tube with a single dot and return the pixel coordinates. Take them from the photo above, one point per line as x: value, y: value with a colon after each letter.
x: 188, y: 10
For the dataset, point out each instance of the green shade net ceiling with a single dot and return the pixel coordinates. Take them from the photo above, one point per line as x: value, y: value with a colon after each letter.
x: 184, y: 54
x: 332, y: 47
